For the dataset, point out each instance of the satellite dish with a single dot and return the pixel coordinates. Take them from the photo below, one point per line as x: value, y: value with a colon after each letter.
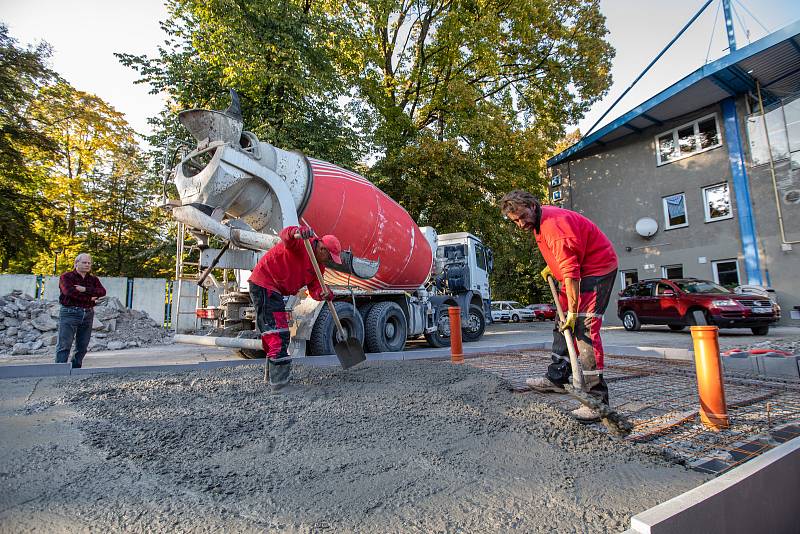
x: 646, y: 227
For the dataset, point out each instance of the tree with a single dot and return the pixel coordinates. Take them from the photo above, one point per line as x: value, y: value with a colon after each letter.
x: 99, y: 198
x: 270, y: 53
x: 469, y: 100
x: 23, y: 72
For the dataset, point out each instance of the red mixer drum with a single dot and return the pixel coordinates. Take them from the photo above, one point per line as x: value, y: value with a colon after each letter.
x: 369, y: 223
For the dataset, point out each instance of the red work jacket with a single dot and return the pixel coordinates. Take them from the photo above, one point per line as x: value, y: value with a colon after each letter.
x: 573, y: 246
x: 286, y: 267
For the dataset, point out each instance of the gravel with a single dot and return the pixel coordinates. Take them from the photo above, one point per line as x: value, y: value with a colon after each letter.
x: 30, y: 326
x: 384, y: 447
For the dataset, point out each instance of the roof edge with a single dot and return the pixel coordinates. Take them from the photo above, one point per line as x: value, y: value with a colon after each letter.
x: 787, y: 32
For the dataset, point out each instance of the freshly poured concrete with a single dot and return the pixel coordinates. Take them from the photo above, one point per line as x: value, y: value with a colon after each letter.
x: 416, y: 446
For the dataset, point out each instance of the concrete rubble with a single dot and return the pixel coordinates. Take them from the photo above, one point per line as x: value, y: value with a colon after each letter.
x: 30, y: 326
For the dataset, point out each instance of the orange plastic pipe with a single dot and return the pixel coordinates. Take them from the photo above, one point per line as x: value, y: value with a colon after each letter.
x: 710, y: 384
x: 456, y: 350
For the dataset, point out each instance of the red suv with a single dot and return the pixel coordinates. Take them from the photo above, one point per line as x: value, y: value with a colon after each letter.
x: 674, y: 303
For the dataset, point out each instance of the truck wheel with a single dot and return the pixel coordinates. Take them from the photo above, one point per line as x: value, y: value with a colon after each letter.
x: 760, y: 330
x: 475, y: 327
x: 323, y: 334
x: 441, y: 337
x: 385, y: 328
x: 631, y: 321
x: 363, y: 309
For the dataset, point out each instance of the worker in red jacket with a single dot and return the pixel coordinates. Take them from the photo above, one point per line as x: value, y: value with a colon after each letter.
x: 283, y: 271
x: 582, y: 259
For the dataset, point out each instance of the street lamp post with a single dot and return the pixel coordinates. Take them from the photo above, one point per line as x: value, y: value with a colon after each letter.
x: 55, y: 260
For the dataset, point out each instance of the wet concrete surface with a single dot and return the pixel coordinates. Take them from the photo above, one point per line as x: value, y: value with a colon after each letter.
x: 417, y: 446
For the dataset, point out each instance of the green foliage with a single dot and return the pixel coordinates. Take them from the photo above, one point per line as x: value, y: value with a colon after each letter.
x: 452, y: 102
x: 267, y: 51
x: 22, y: 73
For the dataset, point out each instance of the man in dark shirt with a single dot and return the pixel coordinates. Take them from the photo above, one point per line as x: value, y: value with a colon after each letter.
x: 79, y: 293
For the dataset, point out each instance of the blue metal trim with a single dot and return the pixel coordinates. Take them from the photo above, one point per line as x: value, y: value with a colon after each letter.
x: 785, y: 33
x: 722, y: 84
x: 741, y: 188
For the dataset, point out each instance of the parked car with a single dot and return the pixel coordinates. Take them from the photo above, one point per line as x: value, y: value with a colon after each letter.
x: 543, y: 312
x: 500, y: 314
x: 514, y: 310
x: 674, y: 303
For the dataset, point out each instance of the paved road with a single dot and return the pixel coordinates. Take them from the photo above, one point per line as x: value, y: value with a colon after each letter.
x: 497, y: 336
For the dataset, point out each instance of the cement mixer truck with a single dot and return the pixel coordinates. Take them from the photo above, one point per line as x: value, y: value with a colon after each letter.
x: 396, y: 280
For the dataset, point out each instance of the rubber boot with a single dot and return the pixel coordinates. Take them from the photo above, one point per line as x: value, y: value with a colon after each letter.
x: 279, y: 375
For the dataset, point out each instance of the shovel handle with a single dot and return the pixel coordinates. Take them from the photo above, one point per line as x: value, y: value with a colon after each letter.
x: 577, y: 372
x: 331, y: 307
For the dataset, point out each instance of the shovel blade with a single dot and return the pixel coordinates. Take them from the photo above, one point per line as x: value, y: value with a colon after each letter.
x: 349, y: 352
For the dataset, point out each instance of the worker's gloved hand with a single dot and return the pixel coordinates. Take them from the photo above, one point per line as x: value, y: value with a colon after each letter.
x: 569, y: 321
x: 306, y: 232
x: 326, y: 294
x: 546, y: 272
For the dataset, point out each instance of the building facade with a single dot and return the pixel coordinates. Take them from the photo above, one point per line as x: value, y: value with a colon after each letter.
x: 703, y: 179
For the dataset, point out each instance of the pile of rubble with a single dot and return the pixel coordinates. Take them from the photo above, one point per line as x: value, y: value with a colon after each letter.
x: 789, y: 344
x: 30, y: 326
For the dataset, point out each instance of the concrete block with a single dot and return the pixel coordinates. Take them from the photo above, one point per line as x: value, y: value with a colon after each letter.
x: 776, y: 365
x: 758, y: 496
x: 35, y: 369
x: 740, y: 363
x: 23, y: 282
x: 116, y: 286
x: 149, y: 295
x: 51, y: 291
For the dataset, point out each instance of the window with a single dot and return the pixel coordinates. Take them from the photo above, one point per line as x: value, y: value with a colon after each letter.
x: 726, y: 273
x: 675, y: 211
x: 672, y: 271
x: 661, y: 287
x: 645, y: 289
x: 628, y: 277
x: 717, y: 202
x: 480, y: 257
x: 686, y: 140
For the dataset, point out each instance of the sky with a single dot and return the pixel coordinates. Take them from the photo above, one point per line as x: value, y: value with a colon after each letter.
x: 86, y: 33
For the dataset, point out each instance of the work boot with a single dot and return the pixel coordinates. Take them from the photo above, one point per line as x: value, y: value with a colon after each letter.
x: 542, y: 384
x: 584, y: 414
x: 279, y: 375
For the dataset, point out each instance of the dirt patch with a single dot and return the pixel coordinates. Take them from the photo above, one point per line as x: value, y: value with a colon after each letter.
x: 384, y: 447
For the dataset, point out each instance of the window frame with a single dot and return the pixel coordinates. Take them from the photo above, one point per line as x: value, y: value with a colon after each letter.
x: 715, y: 270
x: 695, y: 124
x: 622, y: 274
x: 665, y: 267
x: 667, y: 226
x: 707, y: 211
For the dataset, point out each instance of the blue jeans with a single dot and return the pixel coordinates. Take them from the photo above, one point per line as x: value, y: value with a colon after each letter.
x: 74, y: 323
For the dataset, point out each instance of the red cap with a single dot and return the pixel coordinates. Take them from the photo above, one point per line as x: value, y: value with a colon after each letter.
x: 331, y: 242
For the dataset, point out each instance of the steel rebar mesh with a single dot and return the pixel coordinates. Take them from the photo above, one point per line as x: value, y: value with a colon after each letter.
x: 660, y: 398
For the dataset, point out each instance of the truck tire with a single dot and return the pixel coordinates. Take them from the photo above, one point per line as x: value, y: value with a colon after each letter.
x: 476, y: 317
x: 363, y: 309
x: 441, y: 337
x: 385, y: 328
x: 323, y: 334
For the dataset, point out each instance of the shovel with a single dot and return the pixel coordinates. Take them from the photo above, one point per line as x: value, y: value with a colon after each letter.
x: 348, y: 349
x: 615, y: 422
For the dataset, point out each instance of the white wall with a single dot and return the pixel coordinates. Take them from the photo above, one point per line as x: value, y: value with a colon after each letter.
x: 24, y: 282
x: 149, y: 295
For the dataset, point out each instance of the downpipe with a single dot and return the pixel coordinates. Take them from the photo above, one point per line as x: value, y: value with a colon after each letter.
x: 215, y: 341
